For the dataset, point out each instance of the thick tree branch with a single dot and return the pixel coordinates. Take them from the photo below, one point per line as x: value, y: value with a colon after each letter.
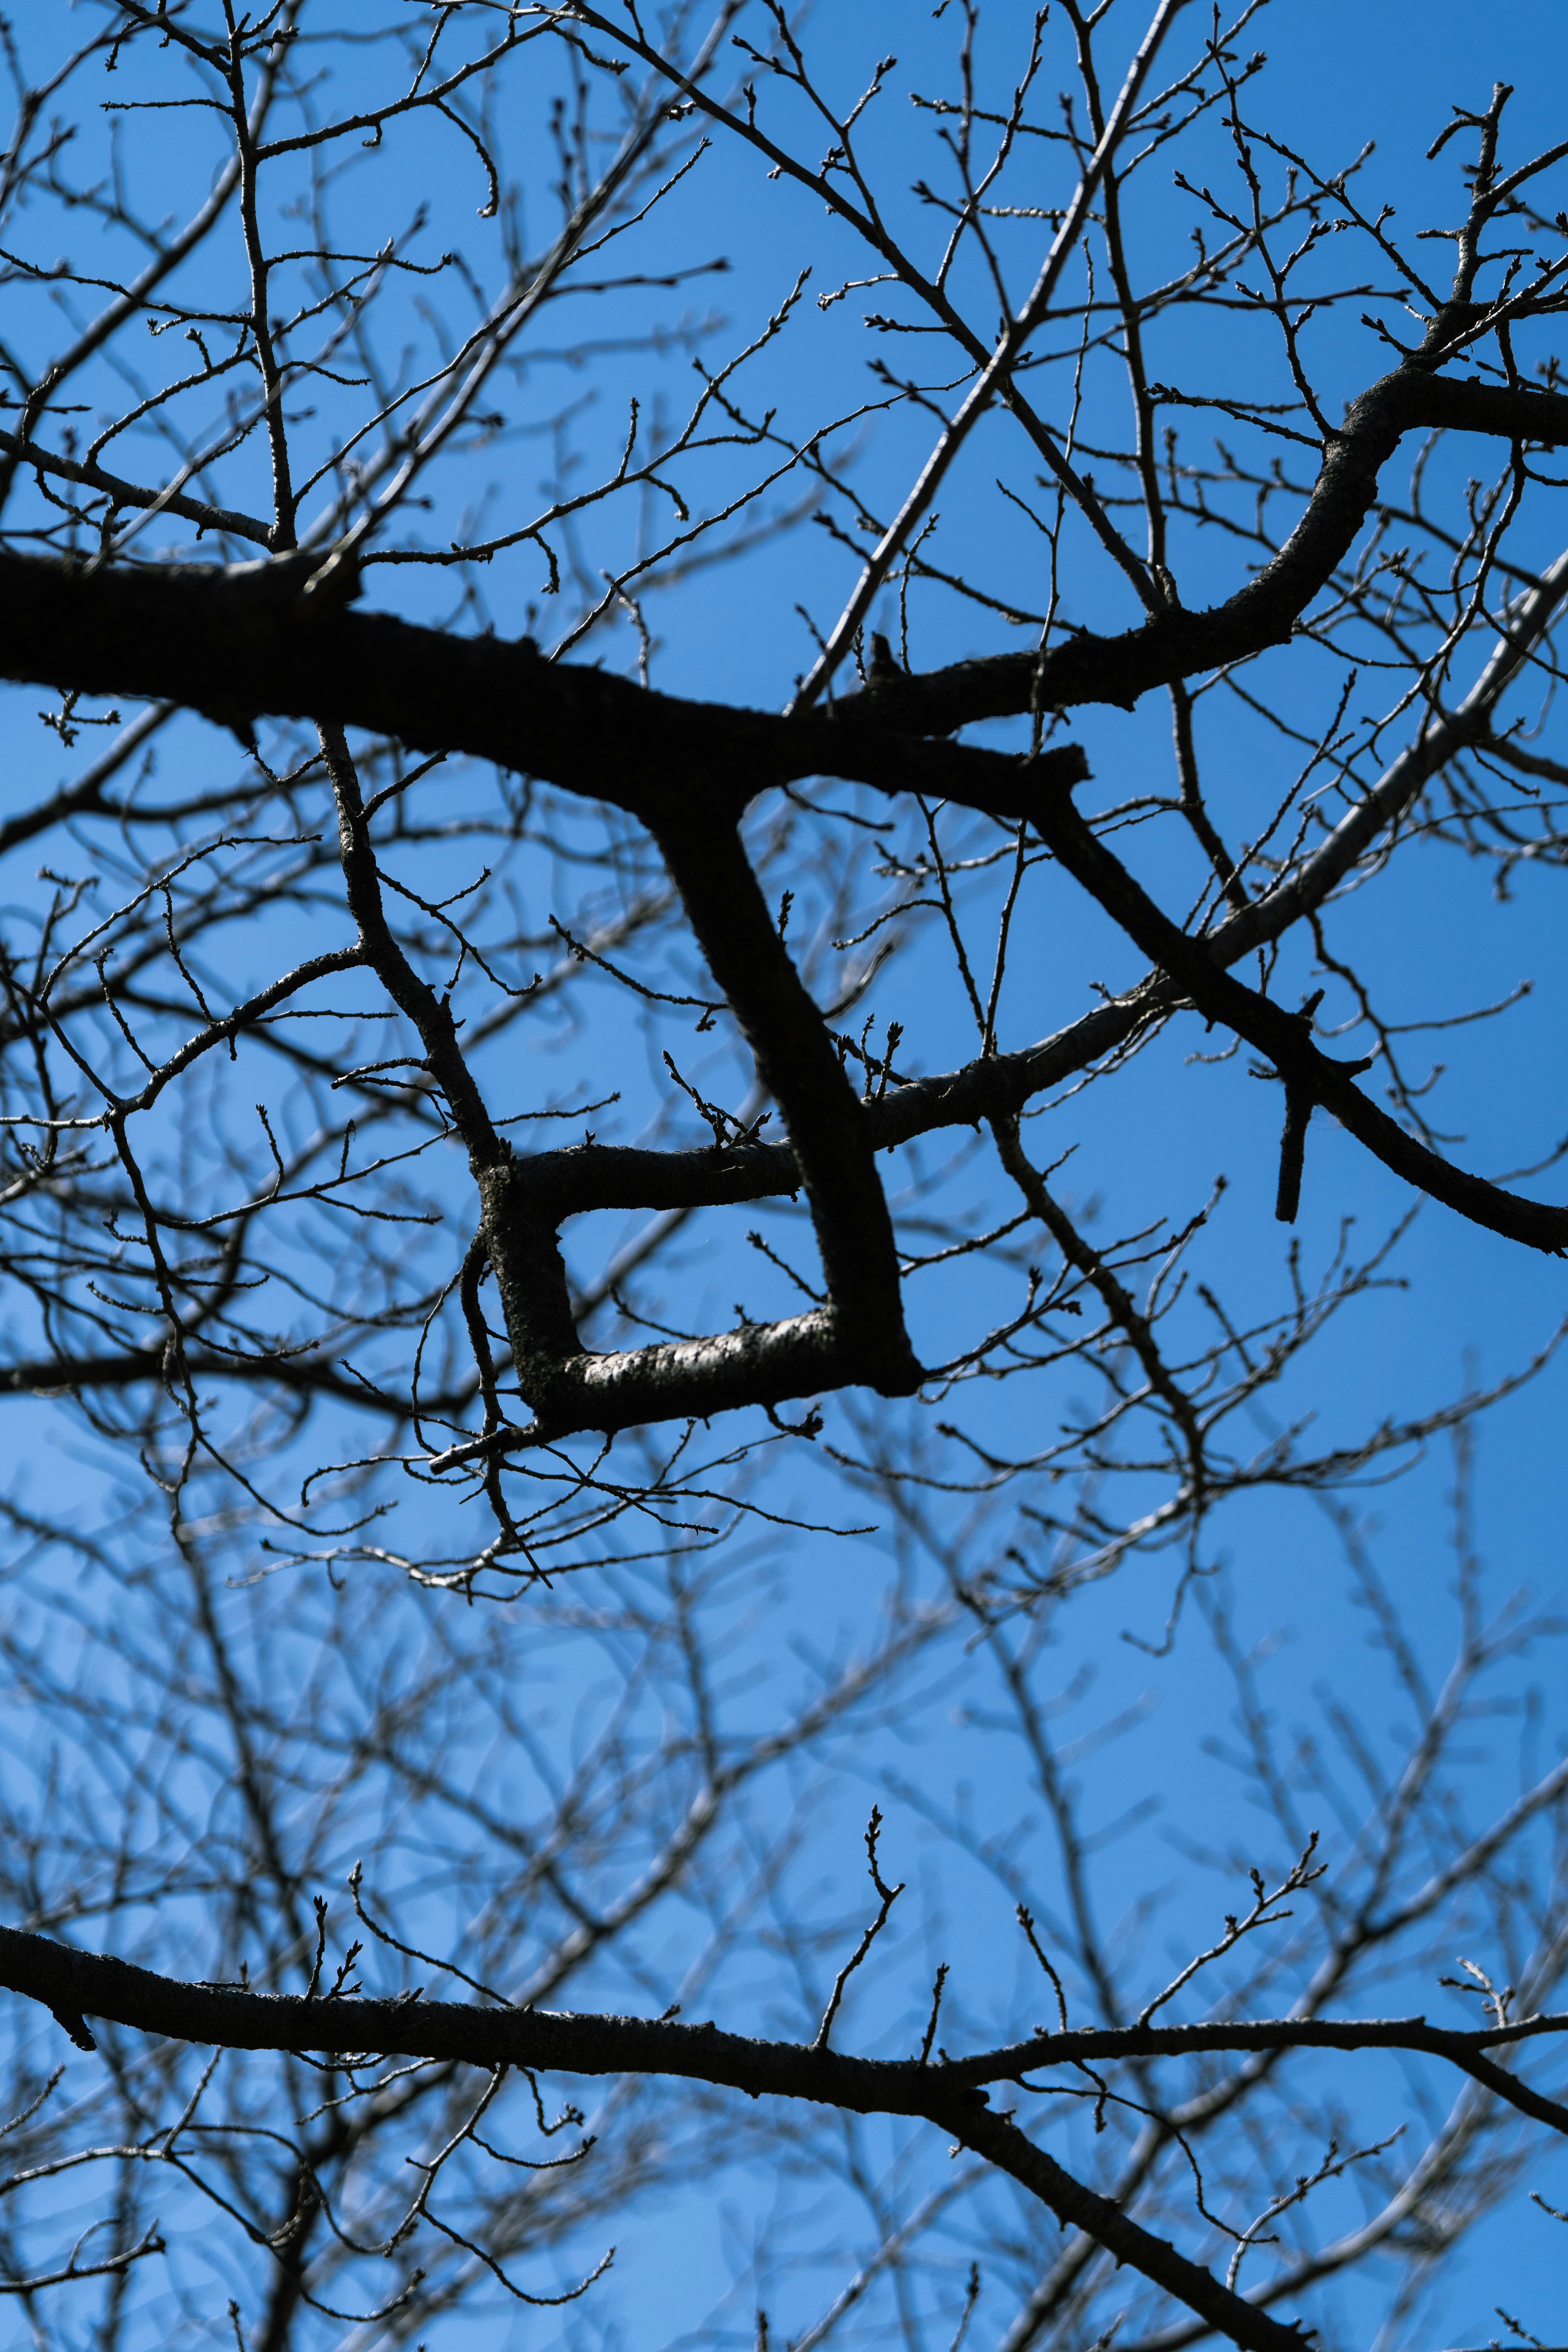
x: 768, y: 1363
x: 76, y: 1986
x: 1087, y: 667
x: 245, y: 643
x: 858, y: 1337
x: 230, y: 2017
x: 800, y: 1066
x: 612, y: 1176
x: 275, y: 638
x: 253, y: 641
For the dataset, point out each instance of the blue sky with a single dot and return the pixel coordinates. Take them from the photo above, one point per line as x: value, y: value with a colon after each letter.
x: 1432, y: 940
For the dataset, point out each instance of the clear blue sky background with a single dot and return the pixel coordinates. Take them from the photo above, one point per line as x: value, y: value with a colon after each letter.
x: 1340, y: 75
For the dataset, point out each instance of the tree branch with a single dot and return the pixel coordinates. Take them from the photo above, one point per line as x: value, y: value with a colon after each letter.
x: 1087, y: 667
x: 76, y: 1985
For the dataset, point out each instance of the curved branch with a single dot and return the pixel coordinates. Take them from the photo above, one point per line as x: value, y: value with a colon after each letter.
x: 1087, y: 667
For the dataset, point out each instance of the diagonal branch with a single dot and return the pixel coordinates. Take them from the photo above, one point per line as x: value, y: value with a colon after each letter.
x: 1177, y: 643
x: 1285, y: 1038
x: 994, y: 377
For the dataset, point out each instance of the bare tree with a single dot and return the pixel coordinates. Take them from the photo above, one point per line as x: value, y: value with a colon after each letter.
x: 425, y: 1528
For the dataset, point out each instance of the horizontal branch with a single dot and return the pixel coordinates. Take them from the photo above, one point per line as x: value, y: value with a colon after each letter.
x: 272, y: 639
x: 302, y: 1375
x: 74, y: 1985
x: 244, y: 642
x: 77, y: 1985
x: 673, y: 1379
